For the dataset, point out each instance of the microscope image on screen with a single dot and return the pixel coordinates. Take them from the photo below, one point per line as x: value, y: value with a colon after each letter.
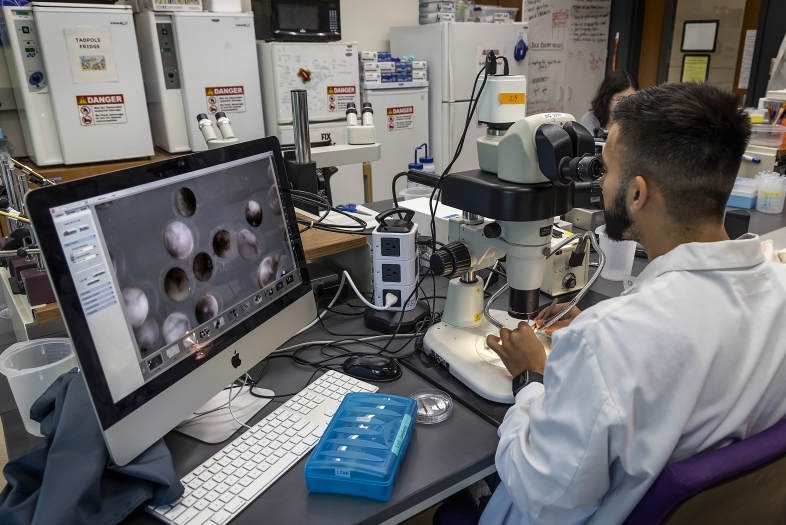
x: 205, y: 253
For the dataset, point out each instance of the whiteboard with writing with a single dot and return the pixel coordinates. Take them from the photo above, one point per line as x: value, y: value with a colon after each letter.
x: 567, y: 40
x: 316, y: 68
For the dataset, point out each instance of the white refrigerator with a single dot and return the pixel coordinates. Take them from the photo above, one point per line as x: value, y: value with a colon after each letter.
x: 401, y: 122
x: 91, y: 64
x: 455, y: 52
x: 199, y: 62
x: 329, y: 73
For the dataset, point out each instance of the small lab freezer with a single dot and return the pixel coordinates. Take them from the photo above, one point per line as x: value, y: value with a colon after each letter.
x: 401, y: 122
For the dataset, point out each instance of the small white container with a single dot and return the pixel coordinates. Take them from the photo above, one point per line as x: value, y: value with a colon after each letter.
x: 31, y: 367
x: 619, y: 256
x: 495, y: 14
x: 415, y: 192
x: 772, y: 192
x: 437, y: 7
x: 435, y: 18
x: 223, y: 6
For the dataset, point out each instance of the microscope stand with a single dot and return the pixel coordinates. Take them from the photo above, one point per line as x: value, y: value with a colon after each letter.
x: 465, y: 353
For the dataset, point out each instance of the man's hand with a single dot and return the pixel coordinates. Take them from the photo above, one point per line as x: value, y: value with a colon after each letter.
x: 519, y: 349
x: 562, y: 323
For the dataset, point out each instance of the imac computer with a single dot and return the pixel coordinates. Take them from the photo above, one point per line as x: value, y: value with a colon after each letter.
x: 174, y: 279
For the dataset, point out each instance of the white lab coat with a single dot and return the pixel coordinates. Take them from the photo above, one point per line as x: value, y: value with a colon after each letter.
x: 690, y: 358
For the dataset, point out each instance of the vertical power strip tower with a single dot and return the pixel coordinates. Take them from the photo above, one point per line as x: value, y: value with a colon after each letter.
x: 396, y: 270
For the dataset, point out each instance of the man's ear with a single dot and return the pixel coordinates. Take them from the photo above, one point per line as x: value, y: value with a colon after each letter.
x: 639, y: 193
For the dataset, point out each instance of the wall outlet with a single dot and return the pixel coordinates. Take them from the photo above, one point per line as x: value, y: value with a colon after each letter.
x: 390, y: 247
x: 391, y: 273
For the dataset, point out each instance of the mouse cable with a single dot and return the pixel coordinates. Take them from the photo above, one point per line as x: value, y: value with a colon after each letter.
x: 280, y: 354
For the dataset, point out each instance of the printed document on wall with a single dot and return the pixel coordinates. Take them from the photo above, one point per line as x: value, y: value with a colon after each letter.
x: 91, y: 54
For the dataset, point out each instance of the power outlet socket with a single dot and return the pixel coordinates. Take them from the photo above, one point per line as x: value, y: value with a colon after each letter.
x: 390, y: 247
x: 391, y: 273
x: 397, y: 293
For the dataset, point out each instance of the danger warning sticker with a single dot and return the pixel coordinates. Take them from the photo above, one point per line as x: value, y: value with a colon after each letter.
x: 339, y: 96
x: 101, y: 109
x: 229, y: 99
x: 401, y: 118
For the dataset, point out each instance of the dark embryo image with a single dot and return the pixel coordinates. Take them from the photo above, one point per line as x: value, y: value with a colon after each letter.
x: 186, y: 252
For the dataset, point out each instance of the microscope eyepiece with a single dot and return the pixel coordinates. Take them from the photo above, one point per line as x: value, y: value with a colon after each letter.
x: 589, y: 168
x: 580, y: 169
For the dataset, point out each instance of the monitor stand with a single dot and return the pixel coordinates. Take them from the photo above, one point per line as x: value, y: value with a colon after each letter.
x: 219, y: 426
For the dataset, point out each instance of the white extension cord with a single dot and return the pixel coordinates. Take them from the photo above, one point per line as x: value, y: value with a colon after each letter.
x: 390, y: 300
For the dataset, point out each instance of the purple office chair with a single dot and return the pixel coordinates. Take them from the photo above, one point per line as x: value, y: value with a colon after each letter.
x: 730, y: 483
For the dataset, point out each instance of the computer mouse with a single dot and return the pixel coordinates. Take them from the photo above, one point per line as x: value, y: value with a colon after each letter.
x: 372, y: 367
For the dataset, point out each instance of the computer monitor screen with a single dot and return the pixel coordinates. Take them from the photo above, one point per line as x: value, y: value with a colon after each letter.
x: 160, y: 269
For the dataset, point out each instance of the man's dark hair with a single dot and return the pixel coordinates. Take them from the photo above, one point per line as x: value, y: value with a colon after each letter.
x: 687, y: 138
x: 615, y: 82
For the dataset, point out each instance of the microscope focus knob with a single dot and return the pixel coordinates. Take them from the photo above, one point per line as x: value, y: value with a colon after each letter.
x: 569, y: 281
x: 492, y: 230
x: 451, y: 259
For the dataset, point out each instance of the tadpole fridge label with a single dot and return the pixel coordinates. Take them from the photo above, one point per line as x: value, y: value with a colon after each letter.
x: 101, y: 109
x: 91, y: 54
x: 229, y: 99
x: 401, y: 118
x: 339, y: 96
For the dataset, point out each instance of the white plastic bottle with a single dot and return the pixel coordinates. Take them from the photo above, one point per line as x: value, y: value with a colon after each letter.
x: 428, y: 164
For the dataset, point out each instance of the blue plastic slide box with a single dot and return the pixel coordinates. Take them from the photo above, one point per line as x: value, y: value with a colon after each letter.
x: 361, y: 450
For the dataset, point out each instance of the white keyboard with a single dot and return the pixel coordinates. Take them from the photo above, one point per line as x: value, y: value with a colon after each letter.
x: 222, y: 486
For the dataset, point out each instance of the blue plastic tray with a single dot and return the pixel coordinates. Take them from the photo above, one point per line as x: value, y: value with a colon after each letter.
x: 361, y: 450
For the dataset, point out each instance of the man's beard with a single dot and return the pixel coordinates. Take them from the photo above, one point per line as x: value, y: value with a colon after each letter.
x: 618, y: 223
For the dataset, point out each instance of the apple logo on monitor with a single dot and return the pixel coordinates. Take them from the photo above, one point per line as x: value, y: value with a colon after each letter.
x: 236, y: 359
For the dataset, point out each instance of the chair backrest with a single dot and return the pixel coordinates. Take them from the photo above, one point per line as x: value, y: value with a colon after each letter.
x: 730, y: 483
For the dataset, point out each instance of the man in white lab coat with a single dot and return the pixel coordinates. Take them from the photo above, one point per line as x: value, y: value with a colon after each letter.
x: 692, y: 357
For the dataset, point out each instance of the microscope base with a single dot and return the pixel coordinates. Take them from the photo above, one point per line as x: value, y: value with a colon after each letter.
x: 465, y: 353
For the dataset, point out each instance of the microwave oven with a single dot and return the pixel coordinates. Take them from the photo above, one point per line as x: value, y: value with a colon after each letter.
x: 297, y: 20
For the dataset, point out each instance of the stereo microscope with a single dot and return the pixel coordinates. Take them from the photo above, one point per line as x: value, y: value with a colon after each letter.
x: 528, y: 169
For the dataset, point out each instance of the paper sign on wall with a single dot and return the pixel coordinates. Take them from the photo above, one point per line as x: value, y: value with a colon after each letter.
x: 91, y: 54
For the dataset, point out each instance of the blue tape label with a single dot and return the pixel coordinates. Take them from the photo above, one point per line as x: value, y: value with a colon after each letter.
x: 402, y: 432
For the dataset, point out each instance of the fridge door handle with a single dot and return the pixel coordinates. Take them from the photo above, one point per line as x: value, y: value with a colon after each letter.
x: 561, y: 93
x: 570, y: 92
